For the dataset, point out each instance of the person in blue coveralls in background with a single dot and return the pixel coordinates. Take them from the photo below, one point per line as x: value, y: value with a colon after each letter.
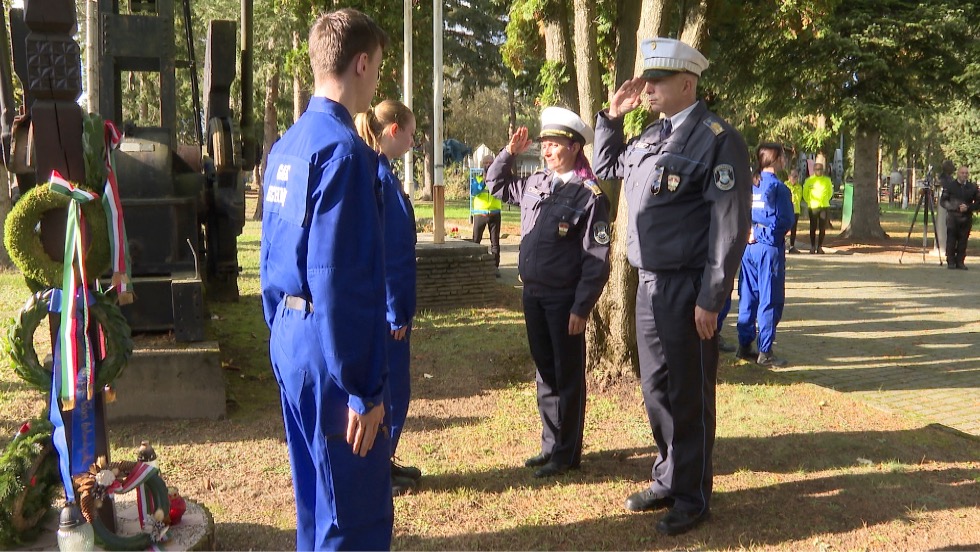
x: 762, y: 285
x: 323, y: 295
x: 389, y: 128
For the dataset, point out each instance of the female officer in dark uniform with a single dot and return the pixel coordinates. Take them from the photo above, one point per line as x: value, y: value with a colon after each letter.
x: 564, y: 265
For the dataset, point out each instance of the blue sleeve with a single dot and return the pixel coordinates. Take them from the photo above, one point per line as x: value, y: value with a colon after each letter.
x: 501, y: 180
x: 477, y: 185
x: 399, y: 229
x: 345, y: 271
x: 785, y: 213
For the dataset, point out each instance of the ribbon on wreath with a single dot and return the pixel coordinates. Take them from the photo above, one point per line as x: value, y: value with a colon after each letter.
x: 112, y: 204
x: 144, y: 500
x: 77, y: 361
x: 83, y: 415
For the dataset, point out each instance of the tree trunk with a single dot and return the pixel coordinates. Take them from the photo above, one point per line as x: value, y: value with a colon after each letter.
x: 627, y: 21
x: 558, y: 51
x: 428, y: 171
x: 270, y: 131
x: 695, y: 32
x: 865, y: 222
x: 5, y: 206
x: 587, y: 59
x: 611, y: 333
x: 654, y: 22
x: 511, y: 110
x: 301, y: 96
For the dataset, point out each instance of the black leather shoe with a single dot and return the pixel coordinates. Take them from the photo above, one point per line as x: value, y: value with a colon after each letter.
x: 408, y: 472
x: 402, y: 485
x: 647, y: 500
x: 550, y: 470
x: 769, y: 359
x: 725, y: 346
x: 539, y: 460
x: 676, y: 522
x: 746, y: 353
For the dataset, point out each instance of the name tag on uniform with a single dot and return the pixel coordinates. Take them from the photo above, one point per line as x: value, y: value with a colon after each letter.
x: 286, y: 187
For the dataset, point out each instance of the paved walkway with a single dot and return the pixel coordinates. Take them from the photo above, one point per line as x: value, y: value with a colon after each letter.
x: 901, y: 337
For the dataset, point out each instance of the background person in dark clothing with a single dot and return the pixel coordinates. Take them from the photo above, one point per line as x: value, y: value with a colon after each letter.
x: 960, y: 198
x: 563, y: 263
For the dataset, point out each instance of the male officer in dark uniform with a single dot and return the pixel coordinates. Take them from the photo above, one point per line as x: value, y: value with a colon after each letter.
x: 687, y: 183
x: 323, y: 294
x: 960, y: 198
x: 563, y: 263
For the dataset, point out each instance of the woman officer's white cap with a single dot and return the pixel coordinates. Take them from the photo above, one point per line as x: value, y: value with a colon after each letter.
x: 563, y: 123
x: 663, y: 57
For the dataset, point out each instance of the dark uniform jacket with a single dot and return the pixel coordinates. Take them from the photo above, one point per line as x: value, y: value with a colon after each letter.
x: 689, y: 197
x: 565, y: 235
x: 956, y: 194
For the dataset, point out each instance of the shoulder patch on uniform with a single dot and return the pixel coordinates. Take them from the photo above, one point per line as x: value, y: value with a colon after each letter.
x: 724, y: 177
x: 591, y: 185
x: 600, y: 231
x: 715, y: 125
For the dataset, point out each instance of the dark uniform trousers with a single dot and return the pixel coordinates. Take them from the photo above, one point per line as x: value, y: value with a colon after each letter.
x: 560, y: 362
x: 958, y: 227
x: 666, y: 336
x: 489, y: 221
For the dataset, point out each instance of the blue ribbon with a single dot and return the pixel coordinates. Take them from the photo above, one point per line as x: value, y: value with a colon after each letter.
x: 81, y: 454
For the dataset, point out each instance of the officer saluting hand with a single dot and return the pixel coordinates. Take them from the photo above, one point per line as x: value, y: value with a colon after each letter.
x: 687, y: 184
x: 563, y: 263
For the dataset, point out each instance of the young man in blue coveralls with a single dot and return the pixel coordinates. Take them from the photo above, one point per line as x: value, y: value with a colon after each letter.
x: 762, y: 285
x: 323, y: 294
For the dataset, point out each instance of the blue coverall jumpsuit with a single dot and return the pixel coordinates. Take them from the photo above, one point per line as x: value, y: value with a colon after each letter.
x: 399, y: 233
x: 323, y: 295
x: 762, y: 284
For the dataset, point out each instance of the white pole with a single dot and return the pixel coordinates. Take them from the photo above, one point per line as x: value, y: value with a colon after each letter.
x: 437, y: 161
x: 408, y: 182
x: 92, y: 68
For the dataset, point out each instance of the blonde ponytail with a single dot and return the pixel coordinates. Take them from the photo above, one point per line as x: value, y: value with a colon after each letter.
x: 372, y: 123
x: 369, y: 127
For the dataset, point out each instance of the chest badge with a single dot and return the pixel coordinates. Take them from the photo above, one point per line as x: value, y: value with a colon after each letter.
x: 562, y: 229
x: 673, y: 181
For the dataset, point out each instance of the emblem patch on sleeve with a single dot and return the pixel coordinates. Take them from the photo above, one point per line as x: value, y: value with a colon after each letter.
x: 724, y: 177
x: 600, y: 231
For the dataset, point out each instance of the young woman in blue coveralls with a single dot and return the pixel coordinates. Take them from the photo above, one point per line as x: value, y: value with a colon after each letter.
x: 389, y: 128
x: 762, y: 284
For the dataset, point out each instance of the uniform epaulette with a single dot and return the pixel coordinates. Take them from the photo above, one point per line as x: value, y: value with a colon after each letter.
x: 715, y: 125
x: 596, y: 190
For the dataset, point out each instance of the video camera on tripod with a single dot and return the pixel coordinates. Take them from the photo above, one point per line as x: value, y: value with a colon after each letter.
x: 925, y: 183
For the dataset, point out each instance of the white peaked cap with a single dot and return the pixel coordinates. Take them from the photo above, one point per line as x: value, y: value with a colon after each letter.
x: 564, y: 123
x: 662, y: 56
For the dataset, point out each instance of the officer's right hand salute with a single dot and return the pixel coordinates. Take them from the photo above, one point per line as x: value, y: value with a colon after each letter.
x: 627, y: 98
x: 519, y: 142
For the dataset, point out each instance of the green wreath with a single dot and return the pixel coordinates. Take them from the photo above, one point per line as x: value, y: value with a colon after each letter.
x: 85, y: 488
x: 20, y: 340
x: 29, y: 483
x: 24, y: 244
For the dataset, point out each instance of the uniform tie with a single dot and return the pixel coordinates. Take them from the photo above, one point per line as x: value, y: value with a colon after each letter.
x: 665, y: 129
x: 556, y: 183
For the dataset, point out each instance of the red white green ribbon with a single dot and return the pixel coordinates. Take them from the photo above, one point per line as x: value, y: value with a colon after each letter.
x: 111, y: 202
x: 77, y: 358
x: 144, y: 501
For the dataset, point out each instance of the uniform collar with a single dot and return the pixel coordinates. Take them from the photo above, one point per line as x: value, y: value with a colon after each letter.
x: 678, y: 119
x: 322, y: 104
x: 383, y: 160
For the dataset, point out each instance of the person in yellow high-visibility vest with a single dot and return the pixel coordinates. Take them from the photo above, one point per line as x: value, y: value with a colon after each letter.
x: 485, y: 210
x: 817, y: 191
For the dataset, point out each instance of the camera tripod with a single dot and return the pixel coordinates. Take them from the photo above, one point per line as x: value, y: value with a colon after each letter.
x: 928, y: 205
